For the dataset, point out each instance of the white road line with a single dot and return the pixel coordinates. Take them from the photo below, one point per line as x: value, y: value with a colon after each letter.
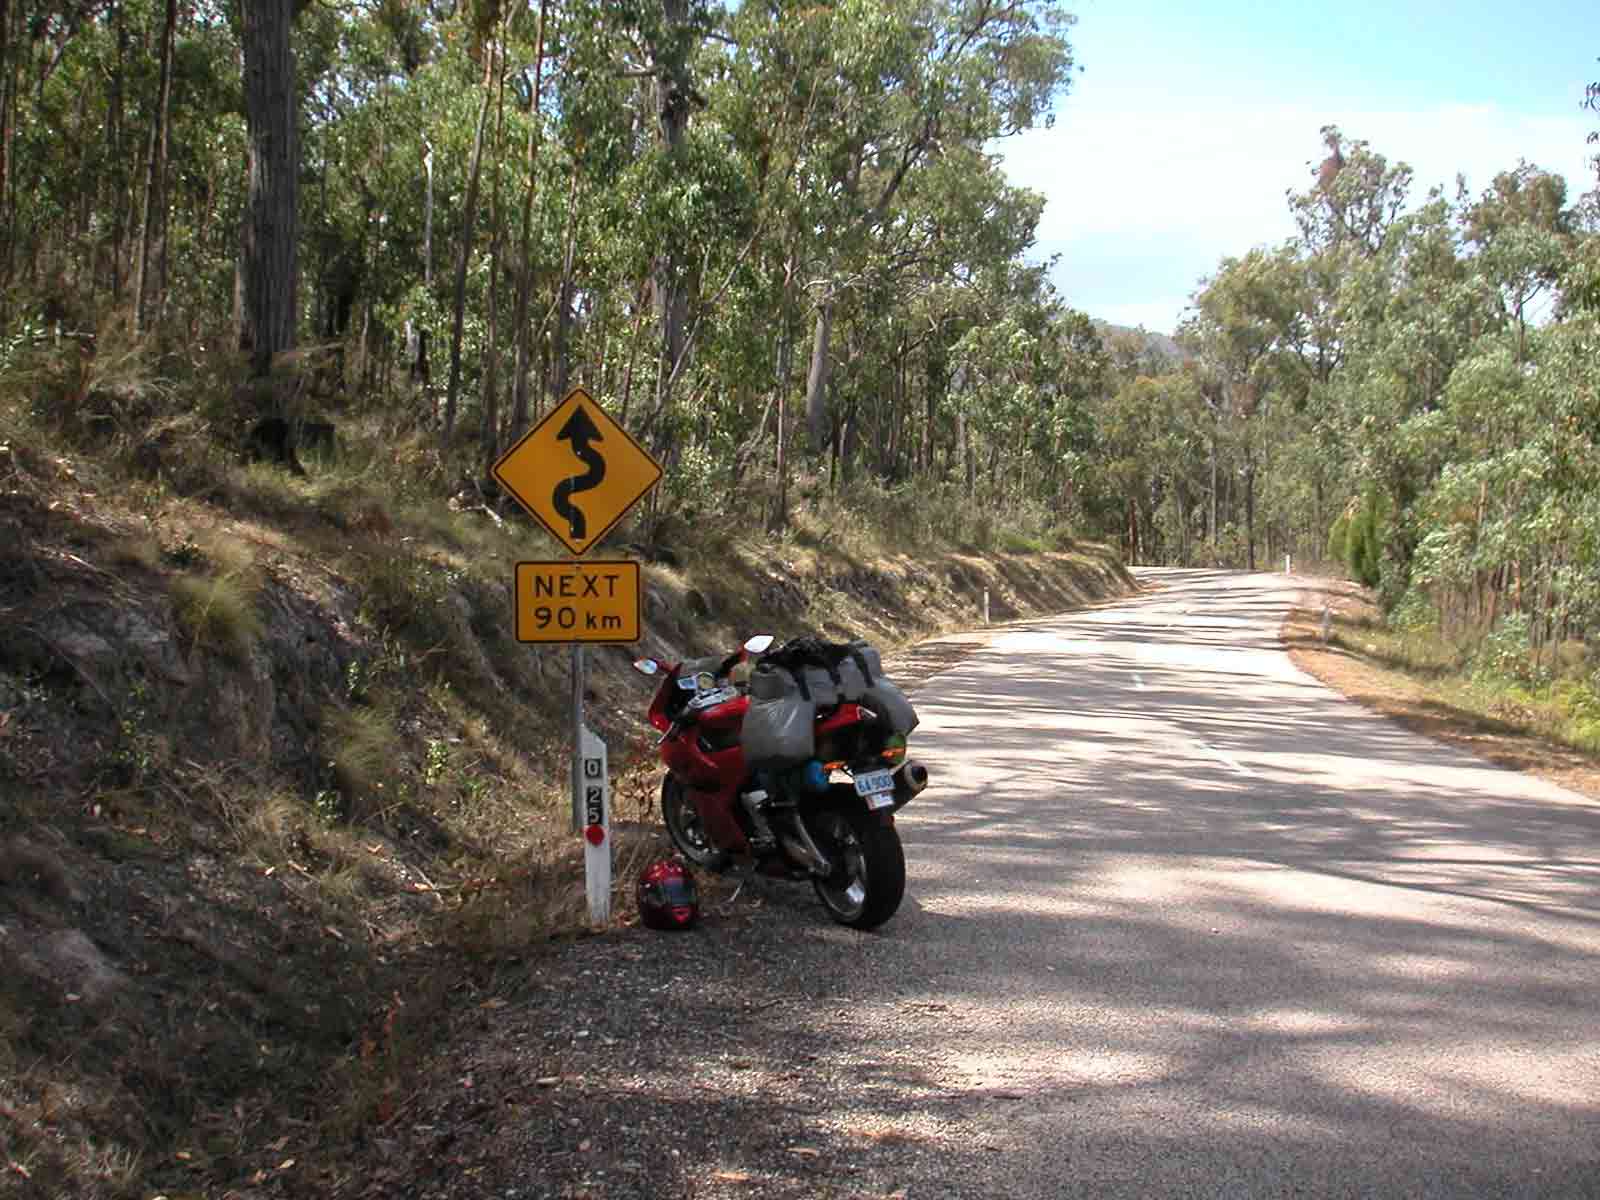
x: 1222, y: 758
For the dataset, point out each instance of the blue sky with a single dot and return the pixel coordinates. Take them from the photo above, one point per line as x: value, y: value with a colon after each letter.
x: 1189, y: 121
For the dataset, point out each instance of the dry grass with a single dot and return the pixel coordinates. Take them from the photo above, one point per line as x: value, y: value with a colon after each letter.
x: 218, y: 611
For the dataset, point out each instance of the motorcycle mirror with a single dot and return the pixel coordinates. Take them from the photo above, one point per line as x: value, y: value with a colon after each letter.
x: 646, y: 666
x: 759, y: 643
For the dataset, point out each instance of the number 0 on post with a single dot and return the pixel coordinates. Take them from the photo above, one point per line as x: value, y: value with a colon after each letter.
x: 578, y: 601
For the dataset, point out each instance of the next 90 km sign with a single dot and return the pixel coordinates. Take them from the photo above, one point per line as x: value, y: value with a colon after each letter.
x: 578, y: 601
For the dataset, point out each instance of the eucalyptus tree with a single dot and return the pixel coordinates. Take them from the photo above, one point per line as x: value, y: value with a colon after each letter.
x: 482, y: 19
x: 1510, y: 521
x: 530, y: 92
x: 271, y: 232
x: 960, y: 228
x: 1243, y: 317
x: 903, y: 83
x: 1357, y: 195
x: 1153, y: 440
x: 1522, y: 232
x: 150, y: 265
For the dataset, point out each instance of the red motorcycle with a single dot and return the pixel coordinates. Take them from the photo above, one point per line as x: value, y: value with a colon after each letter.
x: 805, y: 784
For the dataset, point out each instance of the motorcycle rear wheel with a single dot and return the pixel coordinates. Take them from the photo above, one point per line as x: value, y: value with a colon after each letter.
x: 684, y: 827
x: 869, y: 875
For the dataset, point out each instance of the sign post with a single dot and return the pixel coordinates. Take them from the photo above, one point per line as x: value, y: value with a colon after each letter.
x: 577, y: 472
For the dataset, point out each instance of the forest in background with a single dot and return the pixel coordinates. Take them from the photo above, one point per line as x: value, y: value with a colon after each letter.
x: 776, y: 241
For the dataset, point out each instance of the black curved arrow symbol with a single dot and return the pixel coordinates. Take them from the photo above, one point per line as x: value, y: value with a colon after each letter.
x: 581, y: 432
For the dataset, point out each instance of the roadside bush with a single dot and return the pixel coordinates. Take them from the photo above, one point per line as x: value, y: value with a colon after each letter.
x: 1506, y: 654
x: 1339, y: 539
x: 1363, y: 540
x: 1415, y: 613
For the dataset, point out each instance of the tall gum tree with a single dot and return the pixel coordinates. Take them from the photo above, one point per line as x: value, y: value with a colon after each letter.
x: 906, y: 81
x: 271, y: 225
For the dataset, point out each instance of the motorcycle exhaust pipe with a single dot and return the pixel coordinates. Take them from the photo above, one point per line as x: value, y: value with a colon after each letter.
x: 801, y: 848
x: 909, y: 780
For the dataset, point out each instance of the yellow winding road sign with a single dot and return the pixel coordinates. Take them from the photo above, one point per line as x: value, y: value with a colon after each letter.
x: 577, y: 472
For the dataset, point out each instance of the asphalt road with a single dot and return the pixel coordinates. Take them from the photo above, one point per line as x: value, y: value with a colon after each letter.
x: 1184, y: 923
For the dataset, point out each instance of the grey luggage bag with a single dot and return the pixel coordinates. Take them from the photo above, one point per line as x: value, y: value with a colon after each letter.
x: 779, y: 727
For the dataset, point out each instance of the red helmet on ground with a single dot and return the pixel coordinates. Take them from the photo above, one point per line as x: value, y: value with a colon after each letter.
x: 667, y: 898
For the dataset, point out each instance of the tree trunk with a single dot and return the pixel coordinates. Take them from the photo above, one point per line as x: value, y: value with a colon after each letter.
x: 417, y: 365
x: 114, y: 106
x: 489, y: 429
x: 673, y: 90
x: 817, y: 380
x: 899, y: 415
x: 560, y: 358
x: 8, y: 102
x: 519, y: 320
x: 969, y: 461
x: 849, y: 442
x: 427, y: 216
x: 1250, y: 513
x: 1213, y: 530
x: 271, y: 222
x: 780, y: 509
x: 639, y: 306
x: 464, y: 252
x: 1183, y: 525
x: 149, y: 276
x: 779, y: 518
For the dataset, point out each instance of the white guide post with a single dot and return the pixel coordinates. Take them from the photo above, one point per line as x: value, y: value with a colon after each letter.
x: 596, y: 824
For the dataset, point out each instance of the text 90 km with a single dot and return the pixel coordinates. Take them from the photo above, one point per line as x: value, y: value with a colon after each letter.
x: 577, y: 601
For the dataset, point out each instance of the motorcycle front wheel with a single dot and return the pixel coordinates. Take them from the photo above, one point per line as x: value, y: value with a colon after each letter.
x: 684, y: 827
x: 869, y: 864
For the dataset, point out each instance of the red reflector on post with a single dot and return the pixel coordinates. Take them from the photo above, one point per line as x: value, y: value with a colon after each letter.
x: 595, y: 835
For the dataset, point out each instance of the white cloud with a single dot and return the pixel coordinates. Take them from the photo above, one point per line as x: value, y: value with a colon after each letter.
x: 1153, y: 200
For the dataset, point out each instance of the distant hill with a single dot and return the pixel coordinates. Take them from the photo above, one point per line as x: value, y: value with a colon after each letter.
x: 1158, y: 343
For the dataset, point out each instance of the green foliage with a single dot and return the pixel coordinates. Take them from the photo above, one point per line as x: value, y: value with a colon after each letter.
x: 140, y: 748
x: 406, y: 595
x: 1364, y: 539
x: 1506, y: 654
x: 1415, y: 613
x: 1339, y: 539
x: 1018, y: 541
x: 436, y: 761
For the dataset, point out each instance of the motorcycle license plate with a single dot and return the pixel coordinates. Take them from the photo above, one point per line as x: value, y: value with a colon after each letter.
x: 876, y: 788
